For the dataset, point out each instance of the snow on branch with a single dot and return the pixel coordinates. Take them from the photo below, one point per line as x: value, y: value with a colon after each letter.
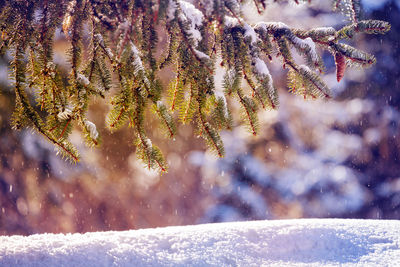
x: 189, y: 14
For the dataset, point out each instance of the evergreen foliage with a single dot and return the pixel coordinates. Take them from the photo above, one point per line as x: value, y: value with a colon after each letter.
x: 122, y: 55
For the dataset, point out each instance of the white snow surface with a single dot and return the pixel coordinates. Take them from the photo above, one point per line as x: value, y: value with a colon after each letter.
x: 300, y: 242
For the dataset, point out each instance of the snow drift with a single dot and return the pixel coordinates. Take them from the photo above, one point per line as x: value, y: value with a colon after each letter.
x: 303, y: 242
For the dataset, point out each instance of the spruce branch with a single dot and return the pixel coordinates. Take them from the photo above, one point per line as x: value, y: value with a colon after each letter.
x: 188, y: 107
x: 166, y: 118
x: 150, y: 154
x: 363, y: 26
x: 350, y: 8
x: 354, y: 56
x: 231, y: 82
x: 210, y: 134
x: 123, y: 53
x: 176, y: 91
x: 250, y: 109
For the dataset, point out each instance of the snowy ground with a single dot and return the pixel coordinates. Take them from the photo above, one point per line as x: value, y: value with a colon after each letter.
x: 305, y: 242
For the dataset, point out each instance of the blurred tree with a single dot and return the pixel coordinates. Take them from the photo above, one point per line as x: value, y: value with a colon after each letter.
x: 114, y: 44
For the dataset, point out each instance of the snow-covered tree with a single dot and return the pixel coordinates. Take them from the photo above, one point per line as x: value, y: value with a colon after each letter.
x: 115, y: 45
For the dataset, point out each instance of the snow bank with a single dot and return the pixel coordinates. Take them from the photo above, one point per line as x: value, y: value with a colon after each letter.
x: 304, y: 242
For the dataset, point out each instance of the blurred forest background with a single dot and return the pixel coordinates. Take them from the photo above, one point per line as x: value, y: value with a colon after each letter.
x: 337, y: 158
